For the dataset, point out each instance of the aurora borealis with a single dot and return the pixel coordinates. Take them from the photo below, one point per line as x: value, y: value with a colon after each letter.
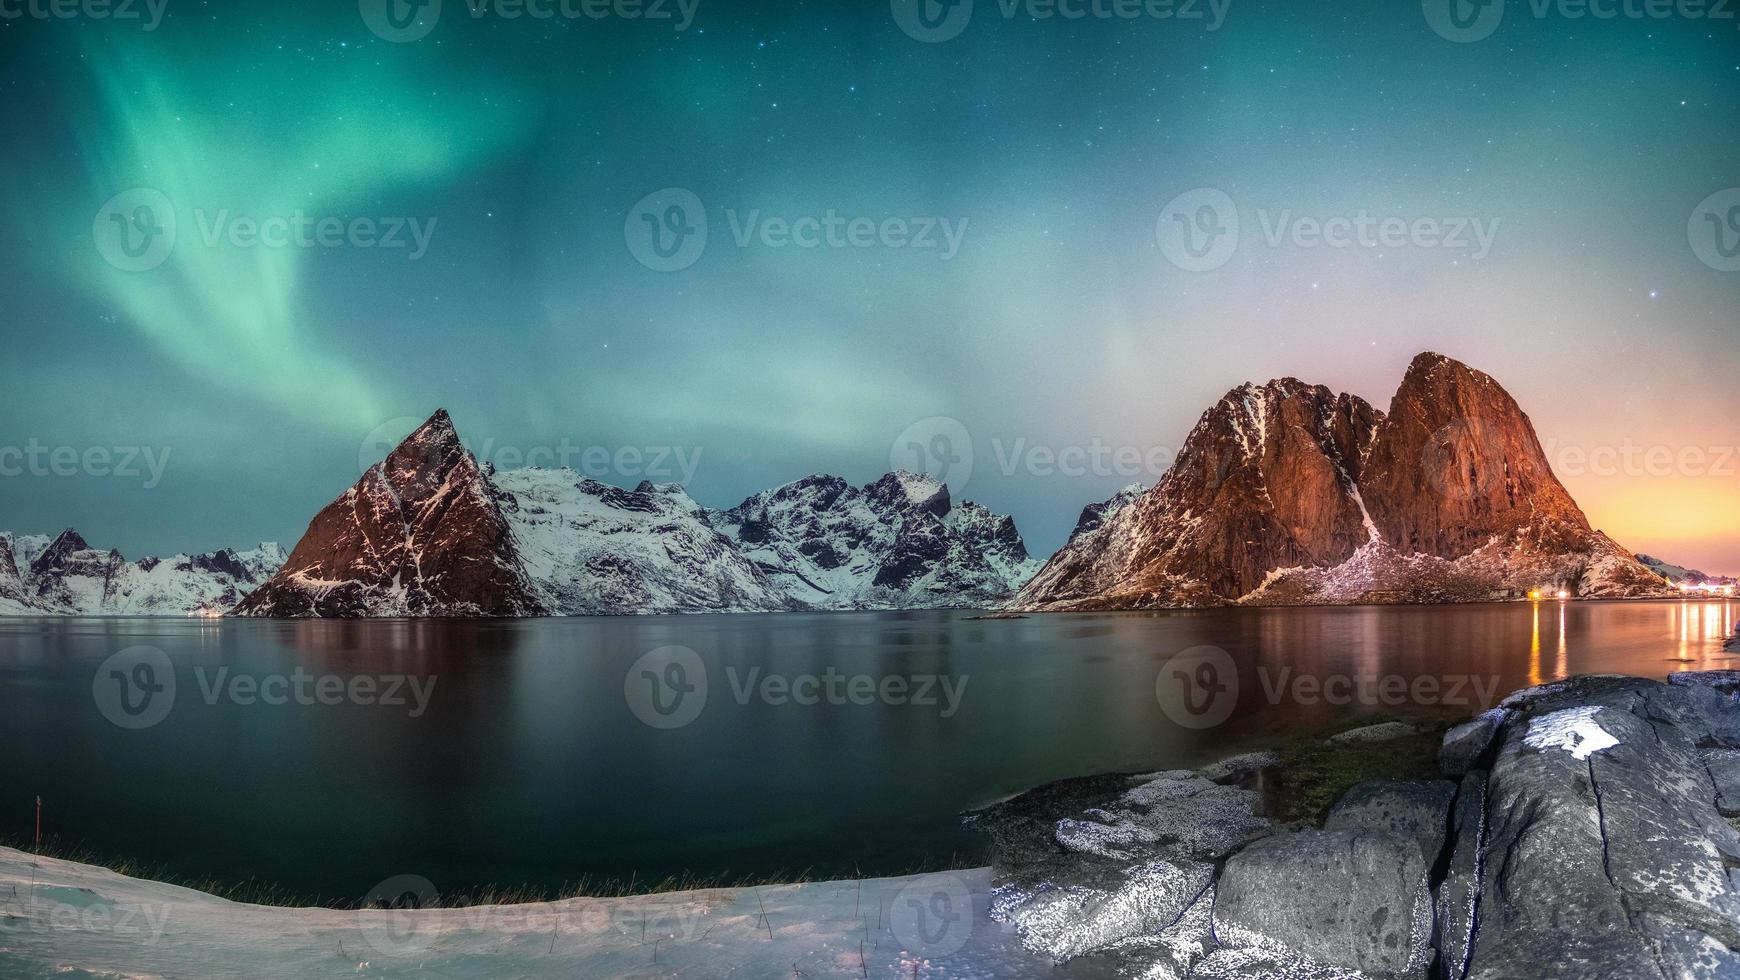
x: 523, y: 146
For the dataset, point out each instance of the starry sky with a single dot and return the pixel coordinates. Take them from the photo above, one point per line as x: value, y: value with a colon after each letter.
x: 533, y: 151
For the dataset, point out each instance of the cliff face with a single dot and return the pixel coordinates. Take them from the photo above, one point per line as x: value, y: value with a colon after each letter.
x: 1266, y: 480
x: 1457, y: 463
x: 420, y: 534
x: 1289, y: 494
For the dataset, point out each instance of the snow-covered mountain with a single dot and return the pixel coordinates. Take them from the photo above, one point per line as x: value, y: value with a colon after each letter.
x: 1681, y: 575
x: 1289, y: 494
x: 896, y: 543
x: 594, y: 549
x: 65, y: 576
x: 428, y: 532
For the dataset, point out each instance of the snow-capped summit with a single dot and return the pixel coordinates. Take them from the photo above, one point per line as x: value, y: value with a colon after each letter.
x: 897, y: 542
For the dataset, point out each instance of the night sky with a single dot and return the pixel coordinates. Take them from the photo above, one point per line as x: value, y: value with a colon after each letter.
x: 526, y: 150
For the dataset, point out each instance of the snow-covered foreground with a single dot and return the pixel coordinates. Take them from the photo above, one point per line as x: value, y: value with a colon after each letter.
x: 62, y: 919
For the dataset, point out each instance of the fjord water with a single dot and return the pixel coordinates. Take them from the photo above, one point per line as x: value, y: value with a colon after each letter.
x: 530, y: 764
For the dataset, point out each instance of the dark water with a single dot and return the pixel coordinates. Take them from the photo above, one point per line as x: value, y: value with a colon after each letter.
x: 529, y: 766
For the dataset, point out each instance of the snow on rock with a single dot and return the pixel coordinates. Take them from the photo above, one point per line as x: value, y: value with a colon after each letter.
x: 1574, y: 730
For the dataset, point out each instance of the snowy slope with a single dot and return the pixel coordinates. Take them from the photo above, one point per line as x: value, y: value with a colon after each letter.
x: 1679, y: 574
x: 64, y: 576
x: 61, y: 919
x: 594, y: 549
x: 896, y: 543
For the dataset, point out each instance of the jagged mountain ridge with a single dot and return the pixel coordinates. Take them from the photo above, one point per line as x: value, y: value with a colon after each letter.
x: 1448, y: 496
x: 429, y: 532
x: 896, y: 543
x: 594, y: 549
x: 65, y: 576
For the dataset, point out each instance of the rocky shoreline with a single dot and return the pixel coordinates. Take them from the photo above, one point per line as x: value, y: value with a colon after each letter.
x: 1584, y: 828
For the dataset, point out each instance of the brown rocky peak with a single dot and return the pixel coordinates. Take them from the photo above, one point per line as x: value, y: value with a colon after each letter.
x: 420, y: 534
x: 1457, y: 463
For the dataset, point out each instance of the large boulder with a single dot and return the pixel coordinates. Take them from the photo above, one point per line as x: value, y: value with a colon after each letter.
x: 1123, y: 868
x: 1418, y: 809
x: 1466, y: 744
x: 1604, y: 854
x: 1348, y: 899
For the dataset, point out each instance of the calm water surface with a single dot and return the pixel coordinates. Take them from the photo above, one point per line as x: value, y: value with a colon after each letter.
x: 529, y: 765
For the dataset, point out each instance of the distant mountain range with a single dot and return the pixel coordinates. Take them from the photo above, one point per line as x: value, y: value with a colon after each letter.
x: 65, y: 576
x: 1284, y: 494
x: 1291, y: 494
